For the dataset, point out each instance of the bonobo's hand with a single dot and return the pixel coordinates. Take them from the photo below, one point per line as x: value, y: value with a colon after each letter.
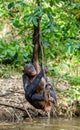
x: 51, y: 99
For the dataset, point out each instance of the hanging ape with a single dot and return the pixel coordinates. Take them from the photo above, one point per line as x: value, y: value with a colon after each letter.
x: 37, y: 91
x: 37, y: 95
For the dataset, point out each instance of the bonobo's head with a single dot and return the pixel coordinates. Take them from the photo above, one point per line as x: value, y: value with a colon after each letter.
x: 29, y: 70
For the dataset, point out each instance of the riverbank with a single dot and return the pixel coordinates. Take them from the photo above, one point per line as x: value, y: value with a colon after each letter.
x: 13, y: 105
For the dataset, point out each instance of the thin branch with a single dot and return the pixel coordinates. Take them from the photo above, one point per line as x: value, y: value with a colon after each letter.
x: 16, y: 107
x: 11, y: 92
x: 5, y: 94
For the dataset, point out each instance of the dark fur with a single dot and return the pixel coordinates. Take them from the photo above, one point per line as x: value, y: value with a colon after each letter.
x: 37, y: 95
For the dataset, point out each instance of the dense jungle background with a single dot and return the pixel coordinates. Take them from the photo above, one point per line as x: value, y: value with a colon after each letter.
x: 60, y: 36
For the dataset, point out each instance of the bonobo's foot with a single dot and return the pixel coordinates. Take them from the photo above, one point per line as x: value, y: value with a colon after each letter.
x: 47, y: 108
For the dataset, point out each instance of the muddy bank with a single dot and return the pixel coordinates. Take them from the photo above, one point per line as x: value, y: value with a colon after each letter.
x: 13, y: 105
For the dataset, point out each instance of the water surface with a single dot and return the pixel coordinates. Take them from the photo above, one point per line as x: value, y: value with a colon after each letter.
x: 43, y: 124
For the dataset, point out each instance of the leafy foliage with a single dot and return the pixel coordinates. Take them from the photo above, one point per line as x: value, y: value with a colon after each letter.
x: 14, y: 53
x: 59, y: 28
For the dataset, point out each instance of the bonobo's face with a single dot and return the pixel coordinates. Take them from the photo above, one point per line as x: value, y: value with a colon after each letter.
x: 29, y: 70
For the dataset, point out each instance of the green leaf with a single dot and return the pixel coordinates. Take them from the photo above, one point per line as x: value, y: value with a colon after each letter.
x: 19, y: 2
x: 34, y: 22
x: 11, y: 5
x: 26, y: 16
x: 16, y: 23
x: 51, y: 3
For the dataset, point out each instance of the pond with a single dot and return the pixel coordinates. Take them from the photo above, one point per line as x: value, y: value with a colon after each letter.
x: 44, y: 124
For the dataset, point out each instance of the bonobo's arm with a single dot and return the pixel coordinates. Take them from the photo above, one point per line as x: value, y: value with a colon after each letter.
x: 30, y: 88
x: 25, y: 81
x: 52, y: 93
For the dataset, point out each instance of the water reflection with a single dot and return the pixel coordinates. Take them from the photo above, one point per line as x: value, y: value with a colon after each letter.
x: 44, y: 124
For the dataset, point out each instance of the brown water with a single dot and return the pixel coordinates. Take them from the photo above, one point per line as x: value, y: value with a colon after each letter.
x: 43, y: 124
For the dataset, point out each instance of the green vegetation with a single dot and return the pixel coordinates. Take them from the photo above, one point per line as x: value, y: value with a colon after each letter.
x: 60, y: 30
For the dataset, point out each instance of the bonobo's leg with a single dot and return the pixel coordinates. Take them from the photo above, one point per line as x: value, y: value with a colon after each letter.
x: 53, y: 95
x: 31, y: 87
x: 37, y: 97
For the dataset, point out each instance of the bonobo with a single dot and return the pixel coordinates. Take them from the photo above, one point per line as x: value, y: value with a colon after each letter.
x: 31, y: 84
